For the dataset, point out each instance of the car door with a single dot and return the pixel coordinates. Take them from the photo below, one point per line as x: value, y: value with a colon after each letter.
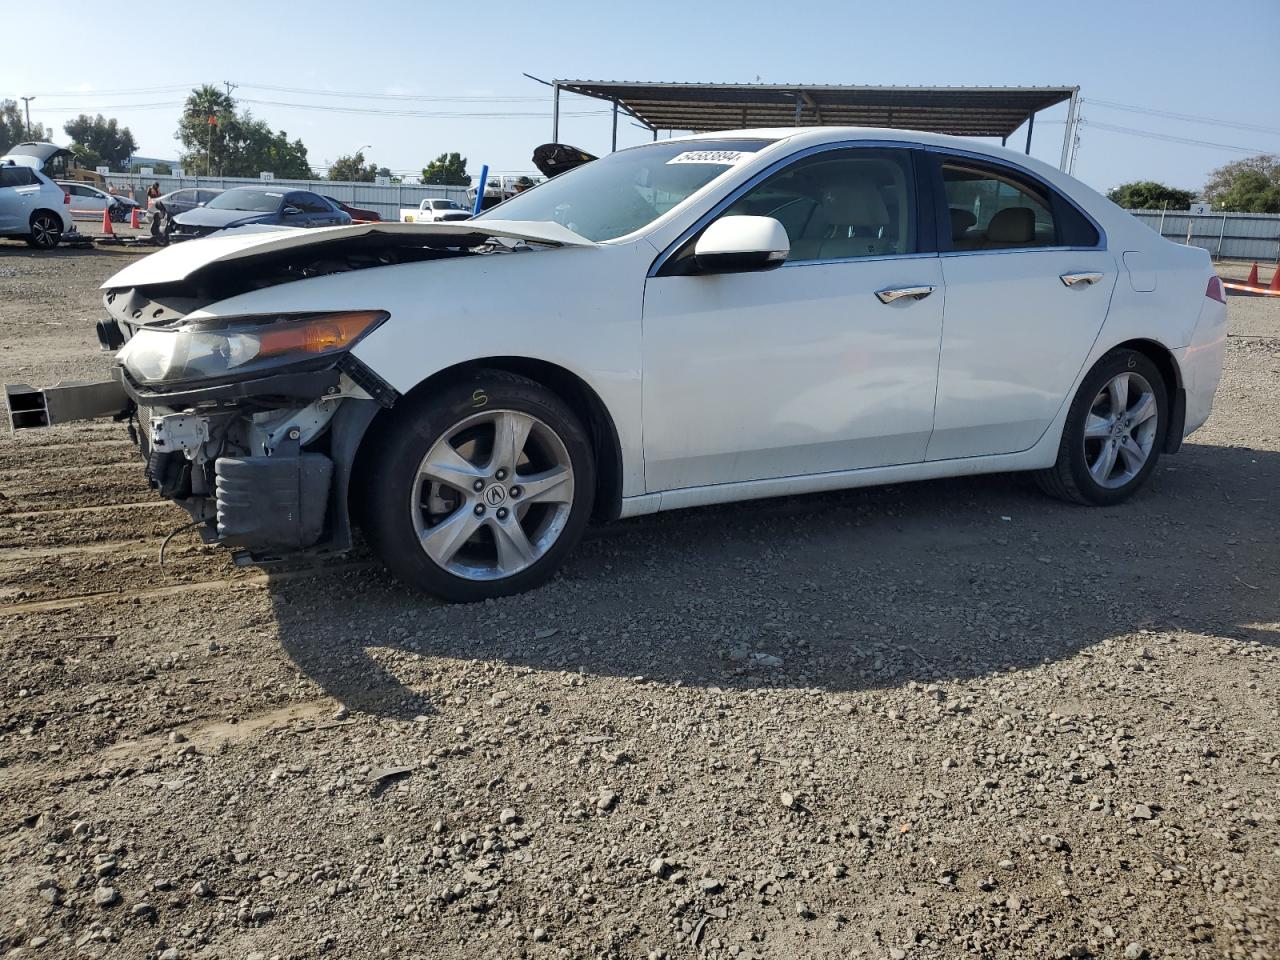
x: 801, y: 369
x: 87, y: 201
x: 1029, y: 281
x: 18, y: 191
x: 315, y: 210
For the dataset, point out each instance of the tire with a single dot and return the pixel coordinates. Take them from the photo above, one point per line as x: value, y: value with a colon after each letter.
x: 46, y: 230
x: 1103, y: 459
x: 503, y: 538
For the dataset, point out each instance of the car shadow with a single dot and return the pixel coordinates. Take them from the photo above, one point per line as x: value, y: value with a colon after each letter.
x: 852, y: 590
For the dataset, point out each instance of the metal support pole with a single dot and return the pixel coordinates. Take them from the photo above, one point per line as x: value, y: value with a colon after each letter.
x: 613, y: 145
x: 1068, y: 134
x: 1162, y: 213
x: 655, y: 133
x: 1221, y: 233
x: 1004, y: 141
x: 26, y: 102
x: 1031, y: 125
x: 484, y: 177
x: 555, y: 113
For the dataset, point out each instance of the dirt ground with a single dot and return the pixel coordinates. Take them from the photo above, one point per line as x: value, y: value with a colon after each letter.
x: 924, y: 721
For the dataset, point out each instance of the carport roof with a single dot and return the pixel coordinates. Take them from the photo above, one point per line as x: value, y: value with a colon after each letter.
x: 704, y: 107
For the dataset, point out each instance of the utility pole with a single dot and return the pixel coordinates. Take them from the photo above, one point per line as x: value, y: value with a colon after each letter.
x: 26, y: 102
x: 230, y: 86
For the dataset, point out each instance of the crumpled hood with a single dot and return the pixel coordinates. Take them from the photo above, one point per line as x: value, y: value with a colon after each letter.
x: 179, y: 261
x: 207, y: 217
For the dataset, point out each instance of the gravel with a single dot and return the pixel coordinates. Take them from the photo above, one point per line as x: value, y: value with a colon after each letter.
x: 933, y: 720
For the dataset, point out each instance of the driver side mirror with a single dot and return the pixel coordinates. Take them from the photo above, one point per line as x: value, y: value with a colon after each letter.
x: 739, y: 244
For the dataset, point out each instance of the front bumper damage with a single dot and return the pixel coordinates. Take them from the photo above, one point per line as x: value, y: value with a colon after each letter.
x: 263, y: 466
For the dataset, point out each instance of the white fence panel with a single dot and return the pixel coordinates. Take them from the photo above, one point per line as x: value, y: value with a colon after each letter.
x: 385, y: 200
x: 1234, y: 236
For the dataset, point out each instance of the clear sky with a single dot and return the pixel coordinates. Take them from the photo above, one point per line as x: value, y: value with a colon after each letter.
x: 1176, y: 56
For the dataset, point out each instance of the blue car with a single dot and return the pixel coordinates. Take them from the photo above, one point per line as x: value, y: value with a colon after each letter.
x: 260, y: 206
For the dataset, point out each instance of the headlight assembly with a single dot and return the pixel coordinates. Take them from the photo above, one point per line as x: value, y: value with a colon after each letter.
x: 240, y: 346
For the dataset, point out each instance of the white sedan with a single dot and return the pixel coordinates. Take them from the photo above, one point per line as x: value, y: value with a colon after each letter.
x: 688, y: 322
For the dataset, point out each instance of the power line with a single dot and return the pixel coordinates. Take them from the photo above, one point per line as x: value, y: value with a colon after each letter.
x: 116, y: 106
x: 121, y: 93
x: 1189, y: 117
x: 392, y: 96
x: 1170, y: 138
x: 424, y: 114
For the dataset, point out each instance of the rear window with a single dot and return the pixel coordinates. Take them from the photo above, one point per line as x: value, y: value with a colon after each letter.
x: 16, y: 176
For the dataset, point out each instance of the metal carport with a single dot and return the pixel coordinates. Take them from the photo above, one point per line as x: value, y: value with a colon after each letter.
x: 705, y: 107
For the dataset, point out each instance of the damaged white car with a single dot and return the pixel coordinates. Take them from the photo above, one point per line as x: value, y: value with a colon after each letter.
x: 687, y: 322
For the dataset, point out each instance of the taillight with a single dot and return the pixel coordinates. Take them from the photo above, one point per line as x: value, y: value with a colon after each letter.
x: 66, y: 197
x: 1215, y: 290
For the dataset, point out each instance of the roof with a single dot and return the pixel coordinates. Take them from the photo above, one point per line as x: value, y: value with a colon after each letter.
x: 701, y: 107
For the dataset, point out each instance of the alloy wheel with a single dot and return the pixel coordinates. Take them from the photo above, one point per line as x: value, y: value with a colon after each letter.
x: 492, y: 495
x: 45, y: 232
x: 1120, y: 430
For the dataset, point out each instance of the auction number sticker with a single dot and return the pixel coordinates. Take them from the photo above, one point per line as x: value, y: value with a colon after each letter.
x: 723, y: 158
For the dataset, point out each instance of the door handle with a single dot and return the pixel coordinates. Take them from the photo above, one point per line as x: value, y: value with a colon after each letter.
x: 1073, y: 279
x: 897, y: 293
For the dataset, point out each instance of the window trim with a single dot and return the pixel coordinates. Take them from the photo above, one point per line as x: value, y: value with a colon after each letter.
x: 924, y: 199
x: 939, y: 155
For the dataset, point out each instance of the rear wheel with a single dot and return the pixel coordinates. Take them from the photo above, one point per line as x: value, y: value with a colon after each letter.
x: 480, y: 490
x: 46, y: 230
x: 1114, y: 432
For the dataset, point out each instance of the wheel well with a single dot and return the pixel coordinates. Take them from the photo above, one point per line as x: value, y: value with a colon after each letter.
x: 52, y: 213
x: 1162, y: 358
x: 1159, y: 355
x: 571, y: 388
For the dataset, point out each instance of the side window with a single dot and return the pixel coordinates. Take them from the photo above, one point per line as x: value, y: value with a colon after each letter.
x: 839, y: 204
x: 992, y: 210
x: 309, y: 203
x: 9, y: 176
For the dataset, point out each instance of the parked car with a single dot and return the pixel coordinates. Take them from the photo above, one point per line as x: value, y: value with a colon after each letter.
x: 696, y: 321
x: 355, y: 213
x: 434, y: 210
x: 55, y: 162
x: 32, y: 206
x: 180, y: 201
x: 259, y: 206
x: 87, y: 203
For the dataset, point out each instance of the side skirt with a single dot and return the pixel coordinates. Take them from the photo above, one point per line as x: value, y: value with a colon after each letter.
x: 838, y: 480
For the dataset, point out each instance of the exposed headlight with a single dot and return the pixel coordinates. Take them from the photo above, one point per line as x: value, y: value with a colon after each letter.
x: 209, y: 350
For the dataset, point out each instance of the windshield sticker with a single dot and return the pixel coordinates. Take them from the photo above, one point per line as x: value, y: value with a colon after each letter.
x: 722, y: 158
x: 270, y: 194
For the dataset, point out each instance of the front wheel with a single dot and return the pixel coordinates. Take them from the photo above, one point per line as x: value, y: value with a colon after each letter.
x: 481, y: 489
x: 1114, y: 432
x: 46, y: 231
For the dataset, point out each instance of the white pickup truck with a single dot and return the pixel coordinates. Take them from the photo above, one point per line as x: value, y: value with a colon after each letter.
x: 434, y: 209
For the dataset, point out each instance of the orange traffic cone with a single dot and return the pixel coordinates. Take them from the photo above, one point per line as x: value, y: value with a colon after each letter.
x: 106, y: 224
x: 135, y: 223
x: 1275, y: 281
x: 1253, y: 276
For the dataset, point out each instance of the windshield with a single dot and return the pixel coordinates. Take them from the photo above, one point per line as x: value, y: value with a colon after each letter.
x: 258, y: 201
x: 627, y: 190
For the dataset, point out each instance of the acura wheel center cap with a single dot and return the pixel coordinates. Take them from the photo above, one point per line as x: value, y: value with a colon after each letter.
x: 495, y: 495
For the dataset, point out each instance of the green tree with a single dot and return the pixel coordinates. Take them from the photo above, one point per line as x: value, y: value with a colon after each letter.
x: 96, y: 140
x: 13, y: 126
x: 1149, y: 195
x: 1251, y: 185
x: 353, y: 168
x: 217, y: 139
x: 447, y: 170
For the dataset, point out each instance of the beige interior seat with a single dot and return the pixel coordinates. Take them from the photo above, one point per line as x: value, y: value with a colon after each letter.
x: 1011, y: 227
